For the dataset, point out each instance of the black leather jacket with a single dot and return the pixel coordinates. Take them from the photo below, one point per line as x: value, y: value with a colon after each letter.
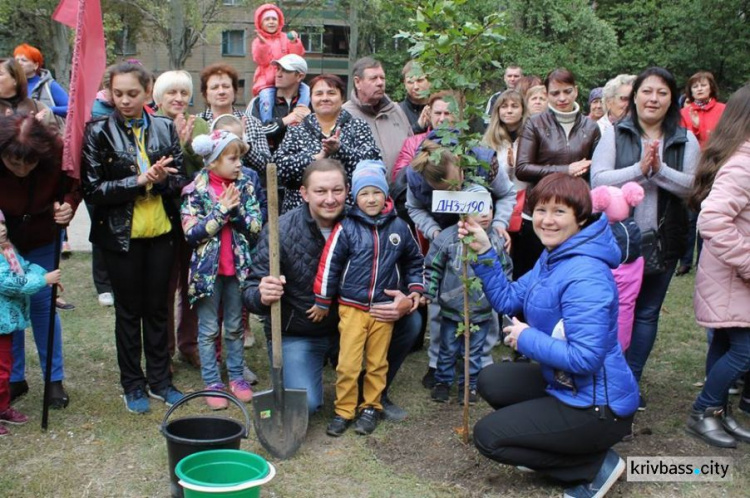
x: 109, y: 174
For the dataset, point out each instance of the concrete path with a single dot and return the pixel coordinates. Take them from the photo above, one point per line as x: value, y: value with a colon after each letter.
x: 78, y: 231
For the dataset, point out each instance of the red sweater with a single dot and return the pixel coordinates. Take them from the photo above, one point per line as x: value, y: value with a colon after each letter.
x: 43, y: 186
x: 226, y: 255
x: 708, y: 118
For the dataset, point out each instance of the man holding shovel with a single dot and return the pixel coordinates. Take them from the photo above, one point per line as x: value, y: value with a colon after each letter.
x: 305, y: 343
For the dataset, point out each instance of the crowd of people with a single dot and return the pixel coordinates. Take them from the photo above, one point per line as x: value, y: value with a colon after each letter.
x: 588, y: 223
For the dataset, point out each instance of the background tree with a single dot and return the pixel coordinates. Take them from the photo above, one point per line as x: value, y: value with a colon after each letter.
x: 179, y: 24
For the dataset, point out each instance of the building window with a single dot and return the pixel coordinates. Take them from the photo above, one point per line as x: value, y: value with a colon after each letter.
x: 232, y: 2
x: 124, y: 43
x: 312, y: 40
x: 233, y: 43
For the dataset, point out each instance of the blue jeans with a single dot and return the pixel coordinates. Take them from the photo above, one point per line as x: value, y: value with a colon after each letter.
x: 40, y: 308
x: 304, y: 358
x: 728, y: 359
x: 226, y: 293
x: 646, y: 320
x: 452, y: 346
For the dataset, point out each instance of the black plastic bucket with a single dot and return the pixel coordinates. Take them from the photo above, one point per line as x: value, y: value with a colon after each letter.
x: 189, y: 435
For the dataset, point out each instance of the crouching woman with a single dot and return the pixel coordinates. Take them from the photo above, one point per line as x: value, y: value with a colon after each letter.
x: 561, y: 415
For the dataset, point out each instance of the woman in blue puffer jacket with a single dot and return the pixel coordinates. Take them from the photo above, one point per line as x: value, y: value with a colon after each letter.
x: 561, y: 415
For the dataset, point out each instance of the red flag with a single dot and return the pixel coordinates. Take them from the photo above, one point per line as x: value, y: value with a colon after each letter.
x: 89, y: 62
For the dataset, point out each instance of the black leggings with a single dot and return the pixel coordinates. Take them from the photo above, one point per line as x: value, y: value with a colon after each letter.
x: 535, y: 430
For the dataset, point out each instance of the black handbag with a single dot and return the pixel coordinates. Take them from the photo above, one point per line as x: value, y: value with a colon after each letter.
x: 652, y: 252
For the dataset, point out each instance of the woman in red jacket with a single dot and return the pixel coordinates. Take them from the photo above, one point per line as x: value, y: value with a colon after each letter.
x: 701, y: 117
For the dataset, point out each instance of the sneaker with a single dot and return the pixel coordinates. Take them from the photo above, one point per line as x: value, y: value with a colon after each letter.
x: 525, y: 470
x: 216, y: 403
x: 13, y: 417
x: 169, y: 395
x: 428, y: 381
x: 610, y: 471
x: 391, y: 411
x: 249, y: 376
x: 4, y: 431
x: 735, y: 389
x: 367, y: 421
x: 642, y: 404
x: 441, y: 393
x: 106, y: 299
x: 472, y: 396
x: 18, y: 389
x: 337, y: 426
x: 241, y: 389
x: 136, y: 401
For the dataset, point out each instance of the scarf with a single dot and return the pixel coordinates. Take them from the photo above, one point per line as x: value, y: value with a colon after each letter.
x: 10, y: 254
x: 701, y: 103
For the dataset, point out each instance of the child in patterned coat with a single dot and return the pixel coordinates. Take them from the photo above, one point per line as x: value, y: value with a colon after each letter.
x: 221, y: 218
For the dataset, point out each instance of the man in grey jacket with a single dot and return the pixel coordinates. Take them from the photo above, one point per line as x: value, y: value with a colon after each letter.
x: 368, y: 101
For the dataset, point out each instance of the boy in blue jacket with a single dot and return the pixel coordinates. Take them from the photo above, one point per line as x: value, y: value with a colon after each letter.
x: 365, y: 255
x: 444, y: 283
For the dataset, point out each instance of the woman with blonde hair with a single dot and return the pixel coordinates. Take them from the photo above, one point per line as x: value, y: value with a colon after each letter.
x: 536, y: 100
x: 508, y: 118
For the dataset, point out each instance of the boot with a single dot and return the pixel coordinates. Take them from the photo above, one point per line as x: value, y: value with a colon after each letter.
x: 732, y: 427
x: 707, y: 425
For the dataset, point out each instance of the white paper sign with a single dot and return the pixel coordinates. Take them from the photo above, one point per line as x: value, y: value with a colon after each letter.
x: 449, y: 201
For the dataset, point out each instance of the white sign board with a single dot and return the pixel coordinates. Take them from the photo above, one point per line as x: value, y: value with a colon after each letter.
x: 449, y: 201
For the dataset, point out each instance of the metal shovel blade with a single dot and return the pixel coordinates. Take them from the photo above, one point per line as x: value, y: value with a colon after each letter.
x: 280, y: 420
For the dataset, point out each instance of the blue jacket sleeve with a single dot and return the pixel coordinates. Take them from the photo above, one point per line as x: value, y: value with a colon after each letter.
x: 13, y: 285
x: 60, y: 96
x: 504, y: 296
x: 587, y: 324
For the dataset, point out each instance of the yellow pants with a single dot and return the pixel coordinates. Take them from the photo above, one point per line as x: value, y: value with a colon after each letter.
x: 361, y: 338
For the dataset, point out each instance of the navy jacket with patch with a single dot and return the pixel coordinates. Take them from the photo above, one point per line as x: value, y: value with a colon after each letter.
x: 366, y: 255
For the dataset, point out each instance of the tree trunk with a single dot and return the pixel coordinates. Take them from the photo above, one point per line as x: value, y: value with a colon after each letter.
x: 62, y: 56
x: 353, y: 42
x: 177, y: 51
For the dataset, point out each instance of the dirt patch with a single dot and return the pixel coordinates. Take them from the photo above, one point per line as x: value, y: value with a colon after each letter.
x: 429, y: 447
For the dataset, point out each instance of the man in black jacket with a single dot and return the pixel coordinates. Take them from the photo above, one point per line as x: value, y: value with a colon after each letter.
x: 306, y: 344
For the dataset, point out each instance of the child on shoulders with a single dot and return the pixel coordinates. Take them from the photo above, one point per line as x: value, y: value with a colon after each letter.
x: 270, y: 45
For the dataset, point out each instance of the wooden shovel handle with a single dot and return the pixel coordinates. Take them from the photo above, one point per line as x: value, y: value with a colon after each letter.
x: 272, y: 192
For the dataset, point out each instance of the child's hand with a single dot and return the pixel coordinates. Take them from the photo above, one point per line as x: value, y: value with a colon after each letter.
x: 506, y: 237
x: 230, y: 198
x: 52, y: 277
x: 317, y: 314
x: 423, y: 301
x: 293, y: 36
x: 260, y: 36
x: 415, y: 297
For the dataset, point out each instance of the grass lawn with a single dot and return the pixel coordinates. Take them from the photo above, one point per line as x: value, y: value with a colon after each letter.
x: 95, y: 448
